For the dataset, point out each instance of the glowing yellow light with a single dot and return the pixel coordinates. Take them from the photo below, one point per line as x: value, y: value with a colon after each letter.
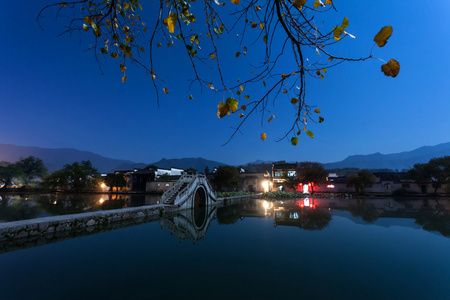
x: 103, y: 185
x: 265, y: 204
x: 101, y: 200
x: 54, y: 202
x: 265, y: 185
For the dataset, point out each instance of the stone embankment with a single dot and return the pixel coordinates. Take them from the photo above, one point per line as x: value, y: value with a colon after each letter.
x: 35, y: 232
x: 90, y: 221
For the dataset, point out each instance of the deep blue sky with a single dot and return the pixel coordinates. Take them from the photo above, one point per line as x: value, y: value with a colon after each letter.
x: 52, y: 94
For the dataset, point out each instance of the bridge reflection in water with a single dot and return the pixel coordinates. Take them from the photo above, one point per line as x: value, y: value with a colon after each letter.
x: 312, y: 214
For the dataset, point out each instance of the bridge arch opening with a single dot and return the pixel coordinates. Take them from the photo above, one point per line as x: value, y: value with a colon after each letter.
x: 200, y: 203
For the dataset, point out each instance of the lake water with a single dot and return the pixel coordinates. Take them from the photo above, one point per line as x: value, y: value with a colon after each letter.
x: 15, y: 207
x: 300, y: 249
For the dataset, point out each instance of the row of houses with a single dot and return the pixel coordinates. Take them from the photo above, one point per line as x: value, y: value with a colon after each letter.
x: 158, y: 180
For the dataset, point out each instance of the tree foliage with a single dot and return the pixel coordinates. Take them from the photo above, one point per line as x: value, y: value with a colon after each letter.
x: 129, y: 32
x: 290, y: 182
x: 311, y: 172
x: 115, y: 180
x: 31, y: 168
x: 226, y: 178
x: 24, y: 171
x: 361, y: 180
x: 436, y: 171
x: 77, y: 177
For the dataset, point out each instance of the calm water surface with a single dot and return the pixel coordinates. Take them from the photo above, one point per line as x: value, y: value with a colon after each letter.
x: 14, y: 207
x: 304, y: 249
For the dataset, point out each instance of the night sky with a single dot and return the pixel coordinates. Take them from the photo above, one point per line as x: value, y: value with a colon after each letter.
x: 53, y: 94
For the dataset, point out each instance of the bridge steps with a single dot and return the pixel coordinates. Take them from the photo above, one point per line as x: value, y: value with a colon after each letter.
x: 174, y: 196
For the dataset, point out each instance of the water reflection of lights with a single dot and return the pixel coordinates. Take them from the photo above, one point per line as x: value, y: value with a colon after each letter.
x: 267, y: 206
x: 101, y: 200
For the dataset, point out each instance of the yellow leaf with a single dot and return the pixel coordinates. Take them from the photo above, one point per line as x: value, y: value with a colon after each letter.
x: 212, y: 56
x: 169, y: 44
x: 391, y: 68
x: 142, y: 49
x: 128, y: 54
x: 317, y: 111
x: 247, y: 97
x: 114, y: 55
x: 327, y: 2
x: 271, y: 117
x: 170, y: 21
x: 242, y: 88
x: 124, y: 79
x: 294, y: 141
x: 261, y: 25
x: 241, y: 115
x: 318, y: 3
x: 191, y: 97
x: 324, y: 70
x: 211, y: 86
x: 284, y: 91
x: 153, y: 76
x: 108, y: 22
x: 166, y: 91
x: 238, y: 53
x: 284, y: 76
x: 158, y: 44
x: 126, y: 29
x: 222, y: 110
x: 254, y: 25
x: 85, y: 27
x: 123, y: 69
x: 243, y: 107
x: 235, y: 1
x: 382, y: 36
x: 63, y: 4
x: 310, y: 134
x: 263, y: 136
x: 265, y: 39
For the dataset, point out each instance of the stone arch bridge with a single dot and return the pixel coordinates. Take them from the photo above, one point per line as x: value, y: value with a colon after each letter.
x: 191, y: 191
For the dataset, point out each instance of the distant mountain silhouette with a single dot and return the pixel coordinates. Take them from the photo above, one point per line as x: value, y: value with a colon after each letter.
x: 399, y: 161
x: 197, y: 163
x: 55, y: 159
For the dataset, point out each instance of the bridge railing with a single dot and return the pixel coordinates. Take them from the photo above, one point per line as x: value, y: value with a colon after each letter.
x: 174, y: 189
x: 184, y: 193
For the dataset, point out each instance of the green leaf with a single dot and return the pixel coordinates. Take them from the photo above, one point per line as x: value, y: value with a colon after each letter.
x: 310, y: 134
x: 232, y: 104
x: 382, y: 36
x: 294, y: 141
